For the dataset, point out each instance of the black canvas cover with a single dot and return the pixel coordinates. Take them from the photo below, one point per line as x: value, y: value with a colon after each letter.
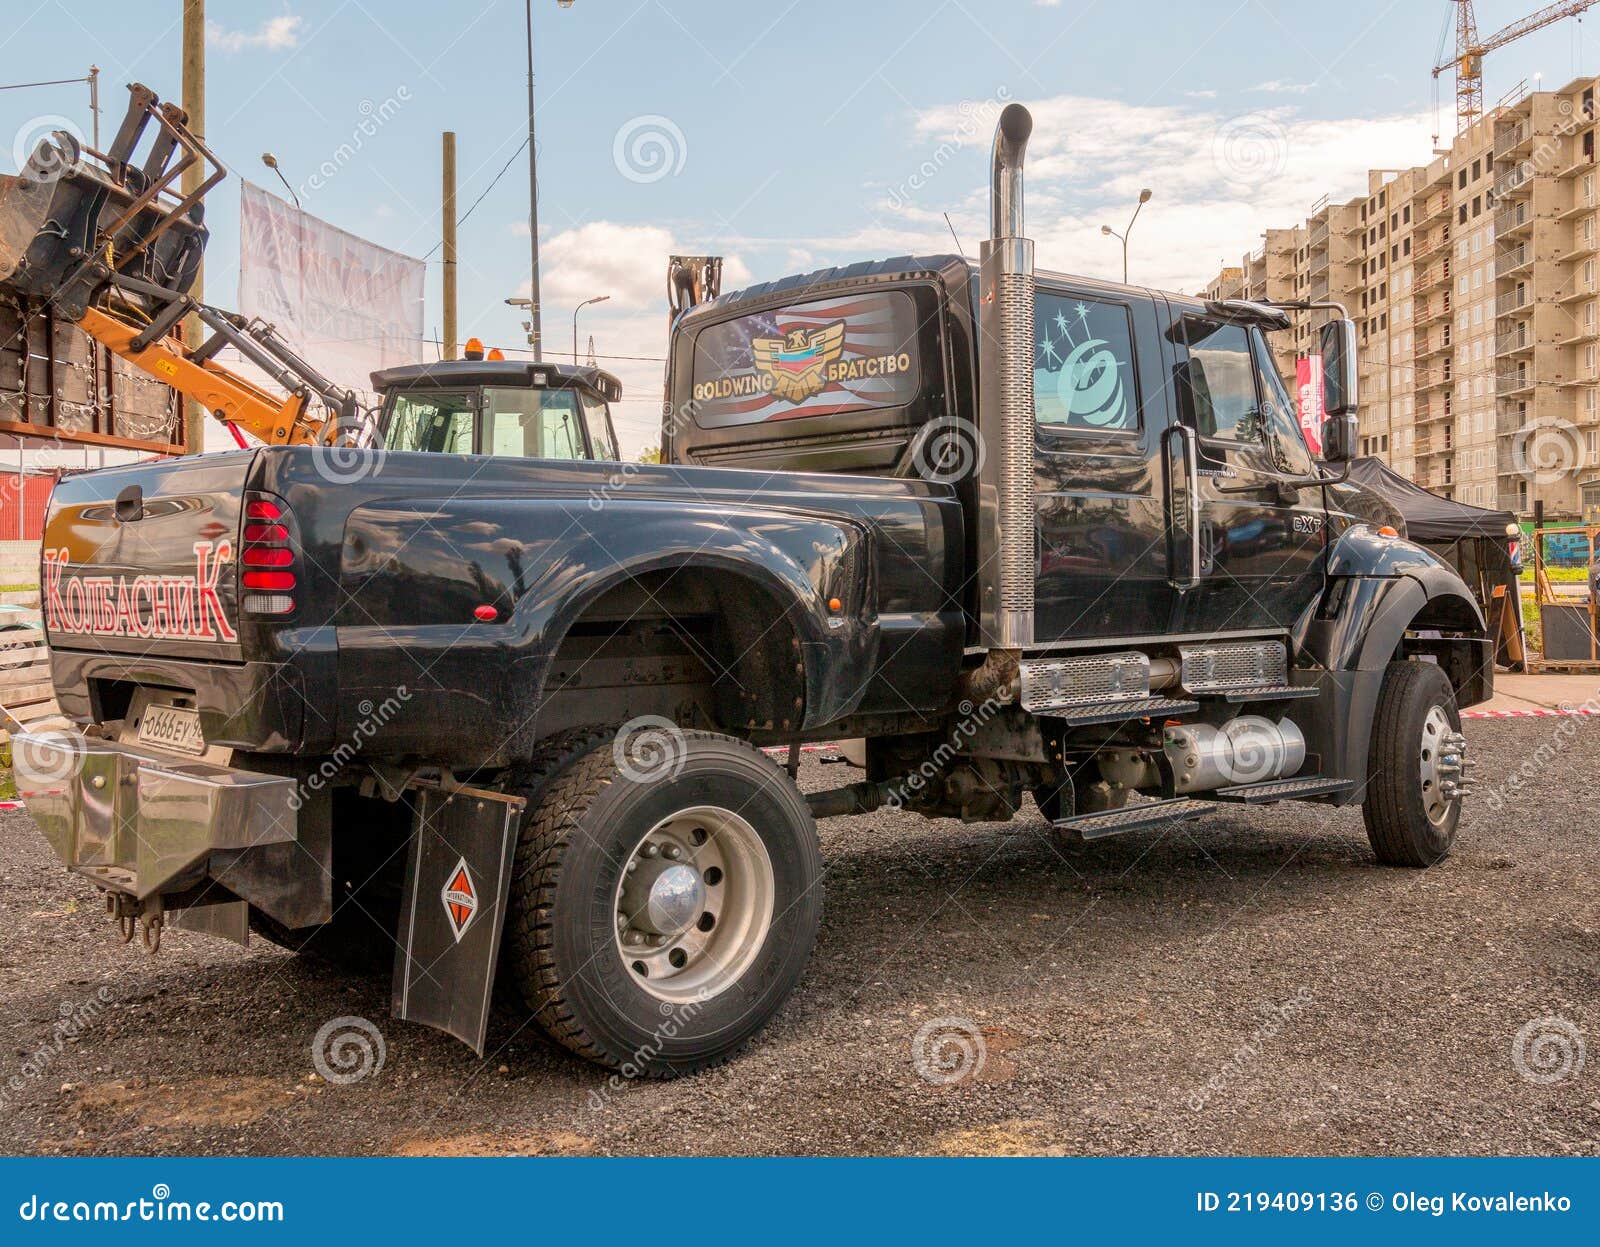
x: 1428, y: 517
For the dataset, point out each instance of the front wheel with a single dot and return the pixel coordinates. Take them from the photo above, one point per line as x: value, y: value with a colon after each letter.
x: 1414, y: 767
x: 659, y: 918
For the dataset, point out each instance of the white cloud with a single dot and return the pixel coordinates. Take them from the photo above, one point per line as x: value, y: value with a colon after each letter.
x: 627, y: 262
x: 1276, y: 86
x: 276, y: 34
x: 1219, y: 181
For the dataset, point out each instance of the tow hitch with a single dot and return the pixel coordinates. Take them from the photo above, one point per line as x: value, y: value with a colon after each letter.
x: 131, y: 915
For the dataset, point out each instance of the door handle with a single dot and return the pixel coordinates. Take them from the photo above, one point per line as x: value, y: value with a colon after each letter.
x: 1191, y: 475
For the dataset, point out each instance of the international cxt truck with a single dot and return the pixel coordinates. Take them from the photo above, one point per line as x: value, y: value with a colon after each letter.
x: 1024, y: 543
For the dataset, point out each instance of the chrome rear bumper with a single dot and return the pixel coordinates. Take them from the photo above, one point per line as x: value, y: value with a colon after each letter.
x: 140, y: 821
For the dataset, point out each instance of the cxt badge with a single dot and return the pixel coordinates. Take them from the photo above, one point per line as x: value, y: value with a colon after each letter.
x: 460, y: 896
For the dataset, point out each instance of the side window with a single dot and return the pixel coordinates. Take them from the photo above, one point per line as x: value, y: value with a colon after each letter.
x: 594, y: 414
x: 1219, y: 388
x: 437, y: 423
x: 1289, y: 448
x: 1083, y: 374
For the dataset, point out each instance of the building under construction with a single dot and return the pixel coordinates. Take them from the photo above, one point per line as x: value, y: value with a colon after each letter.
x: 1473, y: 281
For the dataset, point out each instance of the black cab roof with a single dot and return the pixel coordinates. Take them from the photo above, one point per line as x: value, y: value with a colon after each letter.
x: 511, y: 373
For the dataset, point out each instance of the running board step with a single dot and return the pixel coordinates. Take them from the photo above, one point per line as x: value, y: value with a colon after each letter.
x: 1090, y: 713
x: 1285, y: 692
x: 1275, y: 790
x: 1133, y: 817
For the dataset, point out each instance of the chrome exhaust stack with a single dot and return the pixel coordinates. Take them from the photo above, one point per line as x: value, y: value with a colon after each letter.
x: 1005, y: 397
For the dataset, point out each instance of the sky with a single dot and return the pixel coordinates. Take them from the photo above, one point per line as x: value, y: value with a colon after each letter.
x: 785, y: 135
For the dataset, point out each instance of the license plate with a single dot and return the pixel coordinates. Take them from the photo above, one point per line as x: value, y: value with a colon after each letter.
x: 172, y: 727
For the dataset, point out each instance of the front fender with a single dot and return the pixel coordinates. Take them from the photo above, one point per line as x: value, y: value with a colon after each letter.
x: 1379, y: 588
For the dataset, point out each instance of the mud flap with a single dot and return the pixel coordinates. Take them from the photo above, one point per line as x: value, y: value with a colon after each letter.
x: 458, y: 878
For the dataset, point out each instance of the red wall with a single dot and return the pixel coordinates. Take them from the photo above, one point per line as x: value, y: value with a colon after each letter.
x: 22, y: 505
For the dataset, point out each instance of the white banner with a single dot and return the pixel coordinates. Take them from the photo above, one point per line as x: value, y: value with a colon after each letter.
x: 347, y: 305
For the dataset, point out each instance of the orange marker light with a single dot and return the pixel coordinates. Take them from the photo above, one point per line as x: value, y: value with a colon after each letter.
x: 835, y: 605
x: 473, y: 349
x: 1387, y: 531
x: 496, y: 353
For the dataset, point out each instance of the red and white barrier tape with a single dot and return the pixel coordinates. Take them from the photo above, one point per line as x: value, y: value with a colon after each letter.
x: 1543, y: 712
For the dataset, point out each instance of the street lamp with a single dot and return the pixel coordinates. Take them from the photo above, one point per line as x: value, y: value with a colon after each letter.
x: 599, y: 298
x: 271, y: 161
x: 1144, y: 198
x: 535, y: 330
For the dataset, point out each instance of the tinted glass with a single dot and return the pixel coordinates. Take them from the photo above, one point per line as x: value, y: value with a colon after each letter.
x: 1220, y: 385
x: 1288, y: 443
x: 532, y: 424
x: 1083, y: 365
x: 594, y: 414
x: 439, y: 423
x: 851, y: 353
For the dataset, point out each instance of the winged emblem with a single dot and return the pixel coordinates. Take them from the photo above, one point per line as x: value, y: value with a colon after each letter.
x: 797, y: 361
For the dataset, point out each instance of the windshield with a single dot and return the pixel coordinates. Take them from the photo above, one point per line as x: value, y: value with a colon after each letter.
x: 532, y: 424
x: 516, y: 423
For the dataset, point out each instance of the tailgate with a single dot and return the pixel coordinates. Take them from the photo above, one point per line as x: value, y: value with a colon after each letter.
x: 141, y: 559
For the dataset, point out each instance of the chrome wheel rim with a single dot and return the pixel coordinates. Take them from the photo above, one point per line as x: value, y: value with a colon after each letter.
x: 694, y: 904
x: 1443, y: 760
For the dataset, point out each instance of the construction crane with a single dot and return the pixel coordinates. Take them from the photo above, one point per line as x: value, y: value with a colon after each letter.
x: 1470, y: 51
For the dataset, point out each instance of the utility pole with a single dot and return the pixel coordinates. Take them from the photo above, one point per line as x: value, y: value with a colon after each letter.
x: 535, y: 334
x: 449, y: 245
x: 194, y: 104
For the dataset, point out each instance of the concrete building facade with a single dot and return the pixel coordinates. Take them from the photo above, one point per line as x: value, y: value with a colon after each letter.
x: 1472, y: 280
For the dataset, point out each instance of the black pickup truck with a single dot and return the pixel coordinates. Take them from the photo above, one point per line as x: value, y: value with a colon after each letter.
x: 1015, y: 539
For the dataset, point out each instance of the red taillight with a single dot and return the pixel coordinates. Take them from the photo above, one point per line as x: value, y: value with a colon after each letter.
x: 269, y: 580
x: 267, y: 557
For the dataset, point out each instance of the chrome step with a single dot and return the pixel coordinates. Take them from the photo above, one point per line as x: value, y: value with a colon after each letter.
x: 1052, y: 685
x: 1133, y: 817
x: 1123, y: 711
x: 1235, y: 665
x: 1275, y: 790
x: 1279, y: 692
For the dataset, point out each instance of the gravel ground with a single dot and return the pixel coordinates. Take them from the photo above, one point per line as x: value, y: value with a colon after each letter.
x: 1249, y: 983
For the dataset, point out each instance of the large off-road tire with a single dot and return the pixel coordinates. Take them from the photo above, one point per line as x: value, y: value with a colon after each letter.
x: 677, y: 969
x: 1413, y: 764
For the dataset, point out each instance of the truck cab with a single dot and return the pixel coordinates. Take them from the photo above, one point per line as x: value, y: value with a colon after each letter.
x: 502, y: 407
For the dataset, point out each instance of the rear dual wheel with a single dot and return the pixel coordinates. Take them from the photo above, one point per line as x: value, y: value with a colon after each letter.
x: 659, y: 920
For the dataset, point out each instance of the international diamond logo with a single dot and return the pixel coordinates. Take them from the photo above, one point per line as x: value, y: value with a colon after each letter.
x: 460, y: 896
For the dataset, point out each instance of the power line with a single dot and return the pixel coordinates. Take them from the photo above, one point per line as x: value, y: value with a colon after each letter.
x: 462, y: 219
